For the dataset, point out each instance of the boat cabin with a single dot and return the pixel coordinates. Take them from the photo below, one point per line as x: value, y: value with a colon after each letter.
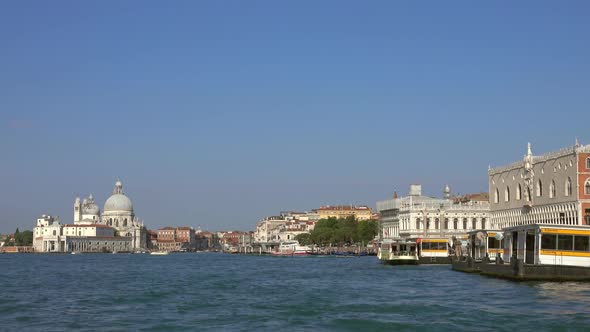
x: 398, y: 252
x: 485, y: 243
x: 548, y: 244
x: 433, y: 247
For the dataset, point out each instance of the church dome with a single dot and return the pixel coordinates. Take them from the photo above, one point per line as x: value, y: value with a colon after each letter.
x: 118, y: 202
x: 91, y: 209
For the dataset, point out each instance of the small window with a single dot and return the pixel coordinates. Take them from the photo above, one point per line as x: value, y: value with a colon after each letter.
x: 587, y: 187
x: 581, y: 243
x: 455, y: 223
x: 483, y: 223
x: 496, y: 196
x: 568, y: 187
x: 507, y: 194
x: 565, y: 242
x: 588, y: 163
x: 474, y: 223
x: 552, y: 190
x: 549, y: 241
x: 418, y: 223
x: 493, y: 243
x: 464, y: 223
x: 518, y: 192
x: 539, y: 188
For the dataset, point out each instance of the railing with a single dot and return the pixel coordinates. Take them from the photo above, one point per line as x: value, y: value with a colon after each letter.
x: 547, y: 156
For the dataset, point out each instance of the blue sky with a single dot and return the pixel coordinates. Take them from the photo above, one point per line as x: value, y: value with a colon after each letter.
x: 217, y: 113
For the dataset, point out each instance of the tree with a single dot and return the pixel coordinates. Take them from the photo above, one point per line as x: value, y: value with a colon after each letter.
x: 303, y: 239
x: 23, y: 238
x: 367, y: 229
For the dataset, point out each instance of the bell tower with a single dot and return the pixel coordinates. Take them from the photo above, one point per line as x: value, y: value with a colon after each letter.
x: 77, y: 210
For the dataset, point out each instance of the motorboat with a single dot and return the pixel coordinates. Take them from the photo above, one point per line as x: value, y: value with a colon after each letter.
x: 291, y: 248
x: 159, y: 253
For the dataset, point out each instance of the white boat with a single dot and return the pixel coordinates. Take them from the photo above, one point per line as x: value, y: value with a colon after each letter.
x: 398, y: 253
x: 159, y: 253
x: 292, y: 248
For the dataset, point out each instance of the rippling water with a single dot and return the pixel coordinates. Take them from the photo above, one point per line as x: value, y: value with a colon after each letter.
x: 181, y: 292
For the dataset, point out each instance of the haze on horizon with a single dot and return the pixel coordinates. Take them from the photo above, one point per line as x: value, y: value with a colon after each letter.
x: 220, y: 113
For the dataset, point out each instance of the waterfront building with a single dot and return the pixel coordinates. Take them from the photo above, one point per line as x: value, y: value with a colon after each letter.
x: 553, y: 188
x: 118, y: 213
x: 176, y: 238
x: 285, y: 226
x: 344, y: 211
x: 233, y: 241
x: 417, y: 216
x: 266, y: 229
x: 116, y: 229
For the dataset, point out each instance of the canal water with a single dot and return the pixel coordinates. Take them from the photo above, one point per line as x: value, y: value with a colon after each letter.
x: 208, y: 291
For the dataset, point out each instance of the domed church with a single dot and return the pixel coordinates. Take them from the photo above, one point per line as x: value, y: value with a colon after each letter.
x: 117, y: 213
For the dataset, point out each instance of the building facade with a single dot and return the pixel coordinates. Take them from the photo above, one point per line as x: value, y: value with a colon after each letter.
x: 344, y: 211
x: 116, y: 229
x: 418, y: 216
x: 176, y: 238
x: 553, y: 188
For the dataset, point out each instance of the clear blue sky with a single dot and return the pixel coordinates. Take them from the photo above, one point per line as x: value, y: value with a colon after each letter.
x: 217, y: 113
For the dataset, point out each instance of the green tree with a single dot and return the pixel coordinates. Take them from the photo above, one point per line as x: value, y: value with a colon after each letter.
x: 367, y: 229
x: 304, y: 239
x: 23, y: 238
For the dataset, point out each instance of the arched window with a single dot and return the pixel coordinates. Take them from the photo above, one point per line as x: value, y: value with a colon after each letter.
x: 507, y: 194
x: 464, y: 223
x: 496, y: 196
x: 436, y: 223
x: 446, y: 223
x: 587, y: 187
x: 455, y: 223
x: 518, y: 192
x: 588, y: 163
x: 125, y: 222
x: 552, y: 189
x: 474, y: 223
x: 539, y: 188
x: 417, y: 223
x: 568, y: 187
x: 427, y: 223
x: 483, y: 223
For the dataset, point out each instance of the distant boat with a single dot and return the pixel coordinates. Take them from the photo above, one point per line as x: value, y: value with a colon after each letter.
x: 292, y: 248
x: 159, y: 253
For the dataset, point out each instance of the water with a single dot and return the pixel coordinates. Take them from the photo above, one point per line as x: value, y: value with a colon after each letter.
x: 181, y: 292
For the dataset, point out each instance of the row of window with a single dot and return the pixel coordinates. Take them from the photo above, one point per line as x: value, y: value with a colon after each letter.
x: 434, y: 246
x: 455, y: 223
x: 565, y: 242
x: 539, y: 191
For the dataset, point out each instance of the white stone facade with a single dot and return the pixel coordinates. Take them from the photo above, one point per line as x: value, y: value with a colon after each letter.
x: 417, y: 216
x: 546, y: 189
x: 117, y: 229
